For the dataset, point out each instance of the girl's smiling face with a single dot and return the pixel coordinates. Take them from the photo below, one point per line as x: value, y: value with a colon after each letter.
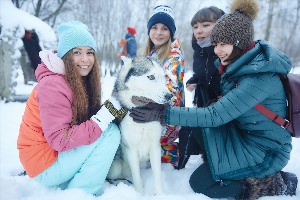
x: 83, y: 59
x: 223, y: 51
x: 159, y: 35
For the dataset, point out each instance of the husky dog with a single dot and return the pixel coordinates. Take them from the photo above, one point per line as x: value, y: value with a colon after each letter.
x: 143, y: 78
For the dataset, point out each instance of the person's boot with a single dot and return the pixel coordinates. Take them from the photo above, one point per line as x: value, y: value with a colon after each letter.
x: 291, y: 182
x: 253, y: 188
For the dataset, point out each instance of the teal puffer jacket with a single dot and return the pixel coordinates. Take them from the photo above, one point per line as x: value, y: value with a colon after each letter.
x: 240, y: 142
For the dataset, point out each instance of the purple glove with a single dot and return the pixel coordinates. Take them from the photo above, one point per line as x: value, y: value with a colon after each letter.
x: 149, y: 113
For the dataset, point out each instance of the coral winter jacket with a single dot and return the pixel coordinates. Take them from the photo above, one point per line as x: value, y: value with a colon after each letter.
x: 45, y: 129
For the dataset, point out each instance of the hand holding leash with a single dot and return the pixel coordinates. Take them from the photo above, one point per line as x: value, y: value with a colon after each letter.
x: 150, y: 112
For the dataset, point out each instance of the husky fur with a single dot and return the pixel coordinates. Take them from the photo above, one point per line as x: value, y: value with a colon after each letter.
x: 140, y: 142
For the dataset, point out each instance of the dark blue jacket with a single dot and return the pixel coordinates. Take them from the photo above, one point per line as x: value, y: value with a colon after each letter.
x: 205, y: 75
x: 33, y: 48
x: 131, y: 45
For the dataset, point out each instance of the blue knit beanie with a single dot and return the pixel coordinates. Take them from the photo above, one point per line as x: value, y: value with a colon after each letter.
x: 163, y: 14
x: 73, y: 34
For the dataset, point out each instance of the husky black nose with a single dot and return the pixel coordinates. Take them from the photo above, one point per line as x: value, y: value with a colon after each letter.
x: 168, y: 97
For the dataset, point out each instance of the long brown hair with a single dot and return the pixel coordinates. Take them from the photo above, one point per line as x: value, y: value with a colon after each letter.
x: 162, y: 52
x: 86, y: 90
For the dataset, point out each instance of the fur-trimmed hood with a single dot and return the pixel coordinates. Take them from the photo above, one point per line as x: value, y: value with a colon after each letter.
x: 52, y: 61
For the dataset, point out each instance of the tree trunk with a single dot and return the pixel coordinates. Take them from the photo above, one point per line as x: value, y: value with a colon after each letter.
x: 270, y: 19
x: 5, y: 70
x: 295, y: 24
x: 25, y: 63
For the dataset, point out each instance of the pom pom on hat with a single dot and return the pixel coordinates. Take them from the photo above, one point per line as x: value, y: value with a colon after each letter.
x: 163, y: 14
x: 236, y: 28
x: 131, y: 30
x: 73, y: 34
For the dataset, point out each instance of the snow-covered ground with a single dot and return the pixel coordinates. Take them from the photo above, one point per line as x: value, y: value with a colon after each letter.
x: 14, y: 187
x: 296, y: 70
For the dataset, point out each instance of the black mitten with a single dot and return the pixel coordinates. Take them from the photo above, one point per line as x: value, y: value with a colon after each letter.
x: 150, y: 112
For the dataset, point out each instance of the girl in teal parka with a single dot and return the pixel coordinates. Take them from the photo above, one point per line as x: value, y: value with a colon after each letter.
x: 245, y: 150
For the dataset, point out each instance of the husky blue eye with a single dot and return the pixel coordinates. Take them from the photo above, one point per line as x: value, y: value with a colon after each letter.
x: 151, y: 77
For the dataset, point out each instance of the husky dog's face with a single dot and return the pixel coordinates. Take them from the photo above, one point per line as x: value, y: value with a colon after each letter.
x: 141, y: 77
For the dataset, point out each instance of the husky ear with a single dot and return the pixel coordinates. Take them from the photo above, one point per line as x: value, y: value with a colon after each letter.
x: 126, y: 60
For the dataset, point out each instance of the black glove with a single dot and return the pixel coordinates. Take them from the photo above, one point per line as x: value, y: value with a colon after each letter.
x: 150, y: 112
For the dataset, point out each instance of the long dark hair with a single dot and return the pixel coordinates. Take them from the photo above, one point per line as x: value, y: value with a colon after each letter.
x: 236, y: 52
x: 86, y: 90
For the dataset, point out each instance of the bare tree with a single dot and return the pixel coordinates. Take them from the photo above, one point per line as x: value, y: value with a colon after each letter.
x: 294, y: 26
x: 44, y: 9
x: 108, y: 20
x: 269, y: 18
x: 7, y: 70
x: 18, y: 3
x: 284, y: 29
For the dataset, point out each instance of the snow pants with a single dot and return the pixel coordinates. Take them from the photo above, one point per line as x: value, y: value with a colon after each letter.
x: 84, y: 167
x: 201, y: 181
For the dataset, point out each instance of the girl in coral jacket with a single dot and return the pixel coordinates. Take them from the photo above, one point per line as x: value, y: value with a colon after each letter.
x: 66, y: 136
x: 162, y: 43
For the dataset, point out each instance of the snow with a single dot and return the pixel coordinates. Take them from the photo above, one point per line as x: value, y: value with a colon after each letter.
x: 296, y: 70
x: 14, y: 187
